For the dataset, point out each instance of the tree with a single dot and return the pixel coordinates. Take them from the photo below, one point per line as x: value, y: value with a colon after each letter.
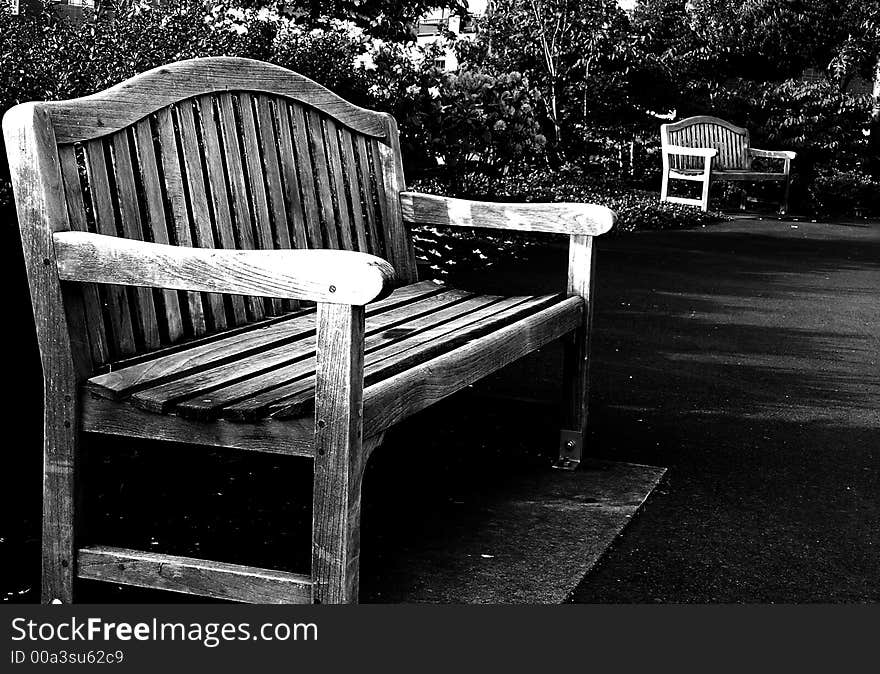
x: 587, y: 69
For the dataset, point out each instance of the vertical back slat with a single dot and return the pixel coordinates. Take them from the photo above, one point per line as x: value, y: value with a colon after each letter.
x: 146, y: 152
x: 175, y: 193
x: 133, y: 228
x: 234, y: 170
x: 322, y: 179
x: 218, y: 194
x: 381, y: 197
x: 399, y: 246
x: 198, y: 199
x: 296, y: 221
x: 94, y: 324
x: 115, y: 297
x: 242, y: 222
x: 307, y: 177
x: 256, y: 181
x: 353, y: 189
x: 269, y: 143
x: 744, y: 160
x: 334, y: 161
x: 274, y: 186
x: 369, y: 194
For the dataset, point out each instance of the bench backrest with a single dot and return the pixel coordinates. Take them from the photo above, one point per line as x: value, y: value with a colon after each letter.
x: 216, y: 153
x: 732, y: 142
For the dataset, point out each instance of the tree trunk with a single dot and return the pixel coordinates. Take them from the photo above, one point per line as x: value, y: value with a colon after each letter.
x: 874, y: 138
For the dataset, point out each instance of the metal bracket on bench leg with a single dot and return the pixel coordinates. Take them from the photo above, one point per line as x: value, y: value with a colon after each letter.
x: 571, y: 449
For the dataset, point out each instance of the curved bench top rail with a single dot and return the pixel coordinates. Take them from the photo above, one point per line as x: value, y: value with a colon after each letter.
x: 703, y: 119
x: 103, y: 113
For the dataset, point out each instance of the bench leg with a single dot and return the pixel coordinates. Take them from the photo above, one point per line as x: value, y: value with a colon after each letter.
x: 783, y: 207
x: 707, y: 180
x: 664, y: 185
x: 60, y: 452
x: 339, y: 454
x: 576, y: 357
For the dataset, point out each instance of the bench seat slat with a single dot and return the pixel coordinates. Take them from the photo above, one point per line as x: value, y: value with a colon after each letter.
x: 391, y: 400
x: 163, y: 397
x: 248, y: 398
x: 271, y: 372
x: 124, y: 381
x: 295, y: 395
x: 419, y: 348
x: 186, y: 575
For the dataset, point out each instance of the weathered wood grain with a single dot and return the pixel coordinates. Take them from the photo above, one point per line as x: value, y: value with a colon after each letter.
x: 394, y: 399
x: 558, y: 218
x: 334, y: 163
x: 242, y: 222
x: 175, y: 193
x: 115, y: 299
x: 391, y: 182
x: 120, y: 383
x: 204, y: 393
x: 290, y: 185
x: 195, y: 174
x: 340, y: 277
x: 576, y: 353
x: 321, y: 170
x: 306, y: 170
x: 350, y: 175
x: 32, y: 150
x: 218, y: 580
x: 144, y: 314
x: 108, y: 111
x: 251, y: 399
x: 292, y: 437
x: 425, y: 340
x: 94, y: 317
x: 398, y: 297
x: 149, y: 169
x: 256, y: 183
x: 339, y: 455
x: 704, y: 149
x: 376, y: 243
x: 218, y: 194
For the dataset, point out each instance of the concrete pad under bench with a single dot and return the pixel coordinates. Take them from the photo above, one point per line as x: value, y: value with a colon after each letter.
x: 529, y: 541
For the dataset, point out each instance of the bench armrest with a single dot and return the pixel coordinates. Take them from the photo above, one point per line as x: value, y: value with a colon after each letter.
x: 690, y: 151
x: 772, y: 154
x: 332, y: 276
x: 557, y: 218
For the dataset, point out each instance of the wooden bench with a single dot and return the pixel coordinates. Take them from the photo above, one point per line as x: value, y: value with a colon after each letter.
x: 704, y: 149
x: 218, y: 254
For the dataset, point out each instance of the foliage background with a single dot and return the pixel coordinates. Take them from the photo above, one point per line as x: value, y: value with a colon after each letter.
x: 571, y: 88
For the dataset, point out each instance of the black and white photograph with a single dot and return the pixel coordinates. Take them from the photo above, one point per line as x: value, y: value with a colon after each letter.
x: 490, y: 302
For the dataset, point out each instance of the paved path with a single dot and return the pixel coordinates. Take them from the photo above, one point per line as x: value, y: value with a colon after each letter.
x: 743, y: 357
x: 746, y: 358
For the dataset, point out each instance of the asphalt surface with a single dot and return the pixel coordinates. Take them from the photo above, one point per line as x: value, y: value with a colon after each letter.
x: 743, y: 357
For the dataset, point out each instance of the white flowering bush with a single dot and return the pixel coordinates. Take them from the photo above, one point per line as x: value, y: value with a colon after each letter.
x: 469, y: 123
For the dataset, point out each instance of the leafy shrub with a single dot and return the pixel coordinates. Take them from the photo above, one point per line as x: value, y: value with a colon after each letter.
x: 475, y: 123
x: 444, y: 250
x: 845, y: 193
x: 45, y: 58
x: 481, y: 124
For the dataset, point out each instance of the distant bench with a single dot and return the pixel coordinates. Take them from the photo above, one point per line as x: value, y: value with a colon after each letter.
x: 704, y: 149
